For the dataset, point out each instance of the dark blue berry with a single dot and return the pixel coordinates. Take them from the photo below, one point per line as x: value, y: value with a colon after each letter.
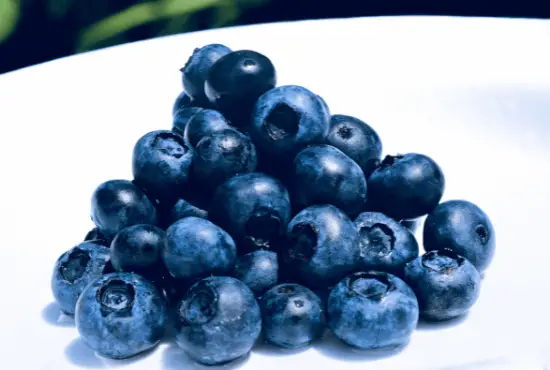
x: 218, y: 321
x: 292, y: 316
x: 236, y: 81
x: 117, y: 204
x: 322, y: 246
x: 183, y: 208
x: 196, y: 248
x: 463, y: 227
x: 357, y: 140
x: 447, y: 285
x: 322, y: 174
x: 161, y: 163
x: 138, y: 249
x: 204, y: 123
x: 286, y: 119
x: 386, y: 245
x: 259, y: 270
x: 372, y: 310
x: 406, y: 186
x: 182, y: 101
x: 222, y: 155
x: 75, y: 269
x: 121, y: 315
x: 254, y: 208
x: 182, y: 118
x: 98, y: 237
x: 195, y: 71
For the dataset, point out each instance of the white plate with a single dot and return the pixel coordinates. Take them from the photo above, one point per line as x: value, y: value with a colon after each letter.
x: 472, y: 93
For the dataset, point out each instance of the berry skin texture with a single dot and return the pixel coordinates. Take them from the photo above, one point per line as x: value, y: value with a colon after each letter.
x: 236, y: 81
x: 254, y: 209
x: 74, y: 270
x: 138, y: 249
x: 259, y: 270
x: 447, y: 285
x: 182, y: 118
x: 97, y: 237
x: 117, y: 204
x: 121, y: 315
x: 357, y: 140
x: 463, y: 227
x: 222, y: 155
x: 161, y: 163
x: 204, y: 123
x: 195, y: 72
x: 372, y: 310
x: 292, y: 316
x: 196, y: 248
x: 218, y: 321
x: 386, y: 245
x: 182, y: 101
x: 183, y: 208
x: 322, y: 174
x: 286, y: 119
x: 406, y: 186
x: 322, y: 246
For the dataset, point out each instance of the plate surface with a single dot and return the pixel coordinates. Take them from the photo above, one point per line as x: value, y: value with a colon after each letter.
x: 472, y: 93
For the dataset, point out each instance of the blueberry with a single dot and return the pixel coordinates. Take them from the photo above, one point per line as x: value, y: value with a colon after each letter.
x: 98, y: 237
x: 183, y: 208
x: 286, y: 119
x: 204, y: 123
x: 254, y: 208
x: 372, y: 310
x: 117, y: 204
x: 161, y: 163
x: 322, y: 246
x: 218, y: 321
x: 182, y: 118
x: 324, y: 104
x: 386, y: 245
x: 259, y: 270
x: 412, y: 225
x: 196, y: 69
x: 322, y: 174
x: 463, y: 227
x: 121, y: 315
x: 447, y: 285
x: 236, y: 81
x: 138, y: 249
x: 357, y: 140
x: 222, y: 155
x: 292, y: 316
x: 74, y: 270
x: 406, y: 186
x: 196, y: 248
x: 182, y: 101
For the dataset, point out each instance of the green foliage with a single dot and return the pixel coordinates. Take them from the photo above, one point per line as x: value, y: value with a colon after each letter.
x: 100, y: 23
x: 9, y: 15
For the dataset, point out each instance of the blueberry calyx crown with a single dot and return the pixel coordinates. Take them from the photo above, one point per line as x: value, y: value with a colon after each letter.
x: 75, y: 266
x: 345, y: 132
x: 201, y: 305
x: 282, y: 121
x: 116, y: 295
x: 373, y: 284
x: 380, y: 238
x: 390, y: 160
x: 170, y: 144
x: 443, y: 261
x: 302, y: 242
x: 262, y: 228
x: 295, y: 304
x: 482, y: 233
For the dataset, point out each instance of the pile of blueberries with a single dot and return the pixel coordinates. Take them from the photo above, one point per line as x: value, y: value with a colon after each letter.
x: 262, y: 216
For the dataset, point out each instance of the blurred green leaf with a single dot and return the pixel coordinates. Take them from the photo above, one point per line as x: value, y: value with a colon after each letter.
x: 9, y: 15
